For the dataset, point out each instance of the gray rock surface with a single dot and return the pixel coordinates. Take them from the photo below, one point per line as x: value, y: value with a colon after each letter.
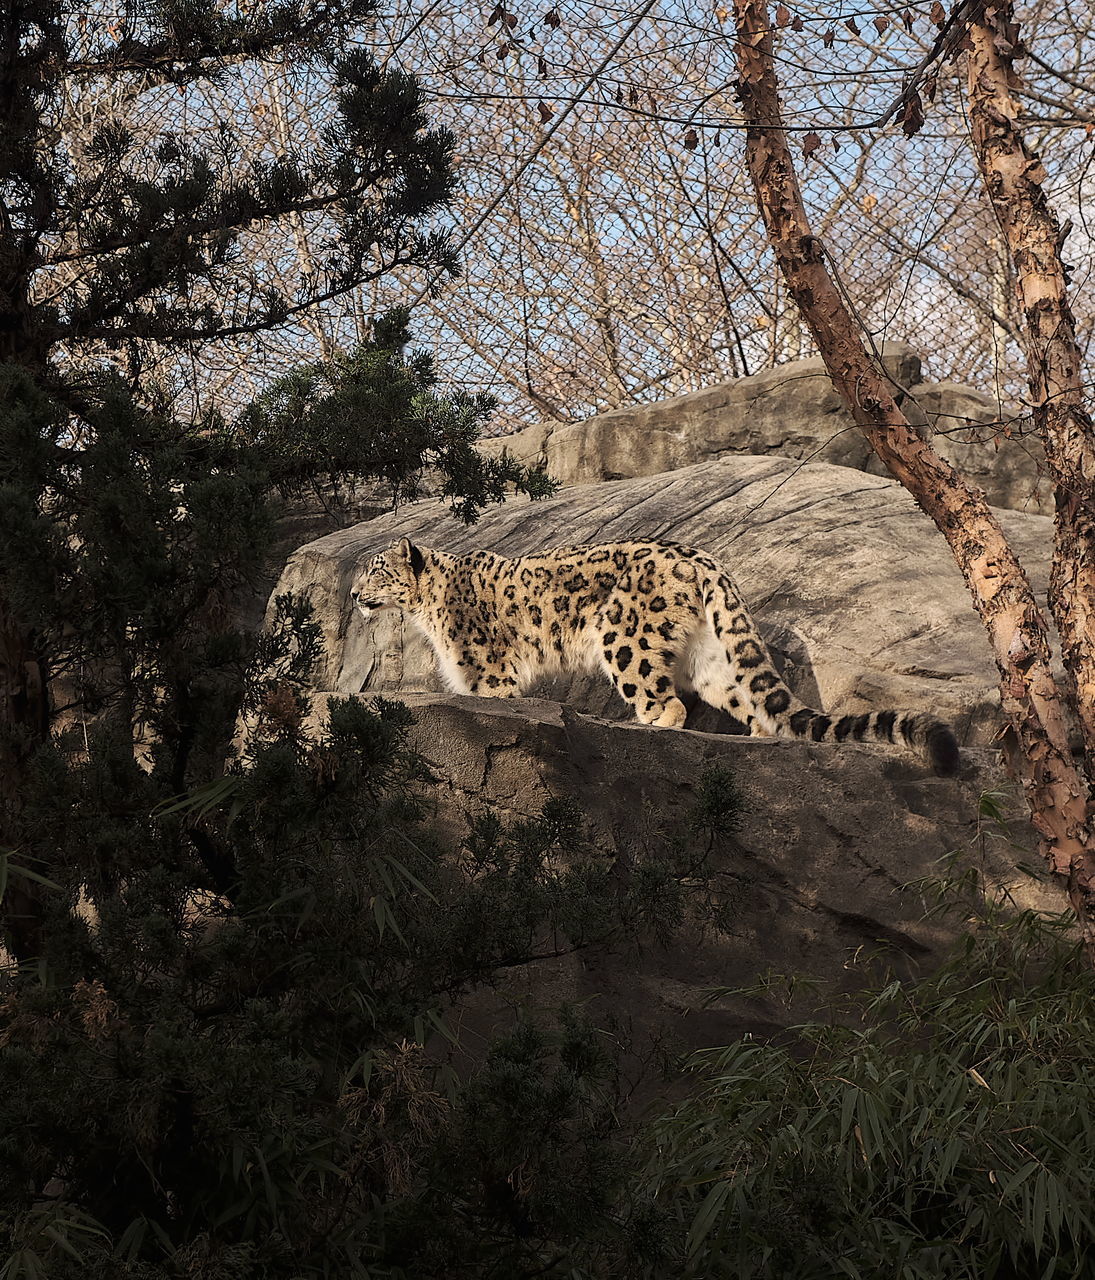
x: 792, y: 411
x: 966, y: 425
x: 303, y: 519
x: 854, y: 586
x: 806, y: 880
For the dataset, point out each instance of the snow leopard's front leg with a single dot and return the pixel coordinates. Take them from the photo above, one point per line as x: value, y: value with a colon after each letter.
x: 468, y: 671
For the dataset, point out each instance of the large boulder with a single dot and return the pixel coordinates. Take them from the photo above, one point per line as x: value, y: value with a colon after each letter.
x: 991, y: 446
x: 853, y: 586
x: 832, y: 841
x: 791, y: 411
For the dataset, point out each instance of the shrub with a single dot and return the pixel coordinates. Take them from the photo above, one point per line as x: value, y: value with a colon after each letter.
x: 233, y: 1081
x: 941, y: 1127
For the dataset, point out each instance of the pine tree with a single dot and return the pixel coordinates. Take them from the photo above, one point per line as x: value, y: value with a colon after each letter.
x: 225, y: 968
x: 125, y: 532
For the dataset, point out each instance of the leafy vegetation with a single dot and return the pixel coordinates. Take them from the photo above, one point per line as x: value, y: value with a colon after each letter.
x: 940, y: 1127
x: 216, y: 969
x: 232, y: 1082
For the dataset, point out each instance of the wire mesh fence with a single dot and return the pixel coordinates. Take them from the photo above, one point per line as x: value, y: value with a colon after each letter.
x: 617, y: 255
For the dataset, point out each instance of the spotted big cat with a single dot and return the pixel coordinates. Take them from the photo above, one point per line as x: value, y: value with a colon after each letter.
x: 659, y: 620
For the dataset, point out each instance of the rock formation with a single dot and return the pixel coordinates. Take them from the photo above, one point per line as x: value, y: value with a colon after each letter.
x: 863, y: 606
x: 831, y: 842
x: 792, y: 411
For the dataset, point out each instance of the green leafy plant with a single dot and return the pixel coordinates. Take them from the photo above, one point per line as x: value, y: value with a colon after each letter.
x: 228, y: 1059
x: 939, y: 1127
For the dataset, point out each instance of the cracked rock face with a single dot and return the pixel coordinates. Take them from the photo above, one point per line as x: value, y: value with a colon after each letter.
x: 793, y: 411
x: 855, y: 590
x: 804, y: 882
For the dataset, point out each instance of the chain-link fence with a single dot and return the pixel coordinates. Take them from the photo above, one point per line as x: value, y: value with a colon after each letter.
x: 613, y: 252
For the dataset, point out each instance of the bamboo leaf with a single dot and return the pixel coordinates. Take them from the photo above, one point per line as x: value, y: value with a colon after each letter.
x: 707, y: 1216
x: 201, y: 800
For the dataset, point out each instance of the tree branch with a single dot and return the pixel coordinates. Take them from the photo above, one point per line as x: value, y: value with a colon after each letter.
x: 1001, y: 592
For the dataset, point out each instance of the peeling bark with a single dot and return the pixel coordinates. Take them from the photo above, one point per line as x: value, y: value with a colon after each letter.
x: 1013, y: 178
x: 1055, y: 790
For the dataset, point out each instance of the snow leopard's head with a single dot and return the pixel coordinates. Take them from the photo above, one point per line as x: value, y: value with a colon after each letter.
x: 389, y: 580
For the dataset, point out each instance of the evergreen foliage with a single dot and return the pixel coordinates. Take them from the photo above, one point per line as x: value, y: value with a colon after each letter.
x: 232, y: 1084
x: 121, y: 554
x: 127, y: 532
x: 210, y: 1060
x: 941, y: 1127
x: 137, y: 229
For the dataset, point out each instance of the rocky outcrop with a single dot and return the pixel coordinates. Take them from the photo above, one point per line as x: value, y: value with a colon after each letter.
x: 831, y: 842
x: 791, y: 411
x: 302, y: 519
x: 864, y: 608
x: 854, y: 587
x: 991, y: 445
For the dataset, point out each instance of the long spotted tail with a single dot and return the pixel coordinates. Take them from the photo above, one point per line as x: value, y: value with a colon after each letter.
x: 931, y: 738
x: 733, y: 666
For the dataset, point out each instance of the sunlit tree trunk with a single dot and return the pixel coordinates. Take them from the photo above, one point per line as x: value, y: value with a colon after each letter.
x: 1013, y: 178
x: 1055, y: 790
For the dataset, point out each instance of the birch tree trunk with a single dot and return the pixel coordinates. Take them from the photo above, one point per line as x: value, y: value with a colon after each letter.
x: 1055, y: 790
x: 1013, y: 179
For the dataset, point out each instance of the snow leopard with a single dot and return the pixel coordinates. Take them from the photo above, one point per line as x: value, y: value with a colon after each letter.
x: 658, y: 619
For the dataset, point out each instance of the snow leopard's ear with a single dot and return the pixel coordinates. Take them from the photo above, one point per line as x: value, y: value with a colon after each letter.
x: 411, y: 556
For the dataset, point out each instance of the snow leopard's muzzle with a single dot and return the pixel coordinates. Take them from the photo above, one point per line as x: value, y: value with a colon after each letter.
x: 364, y: 605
